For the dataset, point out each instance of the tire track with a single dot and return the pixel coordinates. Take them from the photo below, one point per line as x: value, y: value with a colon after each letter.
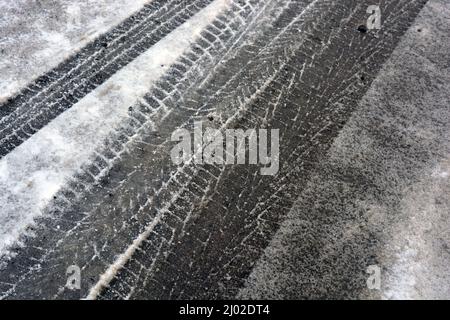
x: 67, y: 219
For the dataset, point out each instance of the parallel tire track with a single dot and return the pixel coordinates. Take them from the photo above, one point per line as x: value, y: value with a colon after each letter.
x: 59, y: 89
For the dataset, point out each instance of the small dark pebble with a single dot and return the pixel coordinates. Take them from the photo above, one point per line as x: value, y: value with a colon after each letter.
x: 362, y: 28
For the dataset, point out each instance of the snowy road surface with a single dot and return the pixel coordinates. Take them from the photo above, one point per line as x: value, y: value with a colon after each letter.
x: 90, y: 95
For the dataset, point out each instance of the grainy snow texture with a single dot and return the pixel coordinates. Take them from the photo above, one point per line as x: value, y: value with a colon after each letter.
x: 36, y: 36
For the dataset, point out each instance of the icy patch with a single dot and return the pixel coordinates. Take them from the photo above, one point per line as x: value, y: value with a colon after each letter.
x: 33, y: 172
x: 419, y: 248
